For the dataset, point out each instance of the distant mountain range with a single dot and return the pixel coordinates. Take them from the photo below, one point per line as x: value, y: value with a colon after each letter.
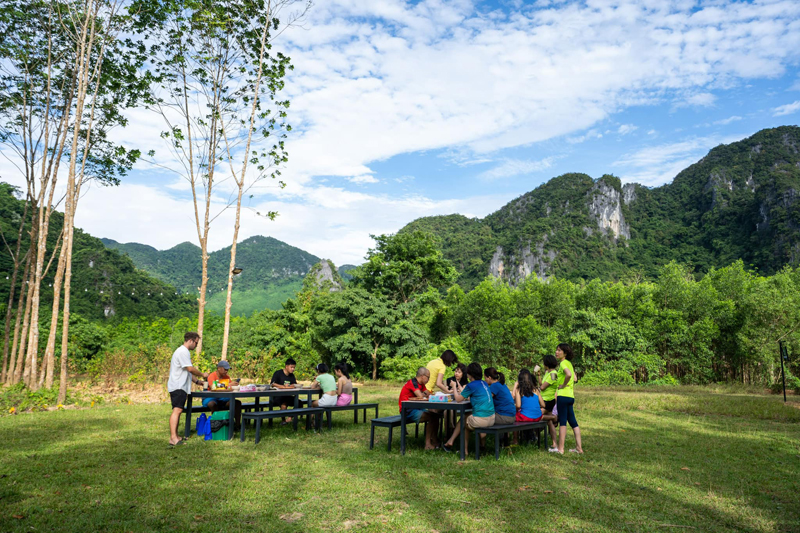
x: 272, y: 271
x: 741, y: 201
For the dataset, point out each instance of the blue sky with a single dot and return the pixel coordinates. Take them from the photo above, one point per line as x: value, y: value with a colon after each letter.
x: 408, y: 109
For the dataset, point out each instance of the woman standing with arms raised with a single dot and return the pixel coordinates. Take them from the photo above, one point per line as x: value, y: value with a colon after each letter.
x: 565, y: 399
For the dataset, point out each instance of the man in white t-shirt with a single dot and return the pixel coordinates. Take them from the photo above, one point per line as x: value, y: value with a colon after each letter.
x: 180, y: 382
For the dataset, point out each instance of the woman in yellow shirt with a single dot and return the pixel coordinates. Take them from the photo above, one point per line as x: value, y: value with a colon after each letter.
x: 437, y: 368
x: 565, y: 399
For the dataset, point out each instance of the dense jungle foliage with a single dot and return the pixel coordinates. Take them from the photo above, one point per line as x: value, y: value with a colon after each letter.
x: 675, y: 329
x: 105, y: 283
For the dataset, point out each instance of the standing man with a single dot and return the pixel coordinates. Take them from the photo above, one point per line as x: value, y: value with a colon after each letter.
x: 180, y: 382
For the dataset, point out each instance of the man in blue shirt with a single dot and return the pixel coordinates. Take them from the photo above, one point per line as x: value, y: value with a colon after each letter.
x: 479, y: 395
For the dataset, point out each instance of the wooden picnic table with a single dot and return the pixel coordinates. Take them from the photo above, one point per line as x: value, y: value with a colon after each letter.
x: 234, y: 395
x: 460, y: 407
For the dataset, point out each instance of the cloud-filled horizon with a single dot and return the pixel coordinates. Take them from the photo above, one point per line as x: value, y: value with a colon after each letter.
x: 408, y: 109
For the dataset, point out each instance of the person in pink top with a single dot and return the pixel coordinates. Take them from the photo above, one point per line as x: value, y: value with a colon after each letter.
x: 344, y: 387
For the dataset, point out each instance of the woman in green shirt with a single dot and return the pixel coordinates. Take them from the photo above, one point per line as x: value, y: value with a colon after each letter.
x: 327, y: 383
x: 565, y: 399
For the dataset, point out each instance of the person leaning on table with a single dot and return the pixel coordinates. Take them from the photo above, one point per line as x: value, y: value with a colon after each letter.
x: 415, y: 389
x: 180, y: 382
x: 482, y: 405
x: 284, y: 379
x: 223, y: 404
x: 437, y: 368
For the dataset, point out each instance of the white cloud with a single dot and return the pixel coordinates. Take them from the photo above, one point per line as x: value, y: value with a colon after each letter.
x: 656, y: 165
x: 726, y: 121
x: 363, y: 178
x: 591, y: 134
x: 625, y: 129
x: 697, y: 100
x: 516, y: 167
x: 787, y: 109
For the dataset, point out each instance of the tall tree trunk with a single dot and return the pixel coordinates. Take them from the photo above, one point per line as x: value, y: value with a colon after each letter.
x: 230, y: 277
x: 375, y: 362
x: 23, y: 293
x: 18, y: 371
x: 12, y: 290
x: 49, y: 351
x: 62, y: 383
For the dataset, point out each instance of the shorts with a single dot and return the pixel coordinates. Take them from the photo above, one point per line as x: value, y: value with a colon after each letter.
x: 178, y: 398
x: 474, y: 422
x: 344, y: 399
x: 503, y: 420
x: 413, y: 415
x: 549, y: 404
x: 222, y: 404
x: 327, y: 400
x: 522, y: 418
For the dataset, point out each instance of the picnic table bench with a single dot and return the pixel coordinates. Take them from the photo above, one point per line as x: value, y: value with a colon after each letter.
x: 390, y: 422
x: 498, y: 430
x: 259, y: 416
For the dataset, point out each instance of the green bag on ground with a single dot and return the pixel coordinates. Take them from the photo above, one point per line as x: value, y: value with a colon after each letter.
x: 222, y: 433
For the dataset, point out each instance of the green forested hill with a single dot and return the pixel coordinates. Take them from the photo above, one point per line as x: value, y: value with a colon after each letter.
x: 105, y: 283
x: 272, y: 271
x: 738, y: 202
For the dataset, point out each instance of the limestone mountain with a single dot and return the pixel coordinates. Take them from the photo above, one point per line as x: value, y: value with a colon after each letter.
x: 272, y: 271
x: 738, y: 202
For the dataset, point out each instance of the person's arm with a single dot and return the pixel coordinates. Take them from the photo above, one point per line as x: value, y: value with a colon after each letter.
x: 517, y: 398
x: 194, y: 371
x: 457, y: 395
x: 340, y: 385
x: 440, y: 382
x: 315, y: 384
x: 420, y: 393
x: 567, y: 377
x: 539, y: 395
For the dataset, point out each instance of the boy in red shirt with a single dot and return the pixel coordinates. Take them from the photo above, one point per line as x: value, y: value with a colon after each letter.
x: 415, y: 389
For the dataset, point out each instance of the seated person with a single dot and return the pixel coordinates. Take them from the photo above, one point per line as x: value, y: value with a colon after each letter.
x: 504, y: 410
x: 460, y: 376
x: 477, y: 391
x: 344, y: 387
x: 416, y: 388
x: 284, y: 379
x: 222, y: 404
x: 327, y: 383
x: 528, y: 401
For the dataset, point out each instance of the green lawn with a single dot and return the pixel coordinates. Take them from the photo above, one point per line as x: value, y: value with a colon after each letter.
x: 661, y: 460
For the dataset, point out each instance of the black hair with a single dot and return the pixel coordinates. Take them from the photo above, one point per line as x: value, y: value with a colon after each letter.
x: 449, y: 357
x: 567, y: 349
x: 342, y: 367
x: 475, y: 371
x: 491, y: 372
x: 550, y: 361
x: 322, y: 368
x: 191, y: 336
x: 463, y: 368
x: 290, y: 361
x: 527, y: 382
x: 501, y: 378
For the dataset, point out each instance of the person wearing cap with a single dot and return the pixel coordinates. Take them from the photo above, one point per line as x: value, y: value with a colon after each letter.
x: 220, y: 404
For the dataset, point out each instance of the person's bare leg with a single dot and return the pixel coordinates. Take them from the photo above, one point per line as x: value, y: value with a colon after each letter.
x: 552, y: 426
x: 454, y: 436
x: 515, y: 440
x: 577, y: 431
x: 431, y: 440
x: 562, y: 436
x: 288, y: 419
x: 174, y: 418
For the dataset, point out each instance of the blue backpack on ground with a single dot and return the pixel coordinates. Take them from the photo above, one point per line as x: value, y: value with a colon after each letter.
x: 204, y: 427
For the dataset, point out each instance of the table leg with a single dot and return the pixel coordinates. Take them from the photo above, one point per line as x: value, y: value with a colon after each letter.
x: 231, y: 417
x: 188, y: 417
x: 462, y: 438
x: 402, y: 430
x: 256, y: 406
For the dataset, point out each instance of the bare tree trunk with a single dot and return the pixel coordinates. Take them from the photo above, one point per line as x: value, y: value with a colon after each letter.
x: 18, y: 371
x: 51, y: 338
x: 375, y: 362
x: 23, y: 293
x: 12, y: 289
x: 62, y: 383
x: 230, y: 278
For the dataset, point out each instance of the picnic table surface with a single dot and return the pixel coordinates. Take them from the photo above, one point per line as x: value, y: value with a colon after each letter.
x: 461, y: 407
x: 296, y: 392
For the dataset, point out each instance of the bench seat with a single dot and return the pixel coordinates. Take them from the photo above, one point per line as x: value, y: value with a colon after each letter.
x: 259, y: 416
x: 390, y: 422
x: 355, y: 407
x: 498, y: 430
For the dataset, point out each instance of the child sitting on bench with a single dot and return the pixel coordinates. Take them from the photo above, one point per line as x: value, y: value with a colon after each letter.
x: 528, y: 400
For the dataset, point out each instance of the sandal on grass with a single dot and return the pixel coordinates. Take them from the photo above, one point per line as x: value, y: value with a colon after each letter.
x: 573, y: 450
x: 555, y: 450
x: 180, y: 442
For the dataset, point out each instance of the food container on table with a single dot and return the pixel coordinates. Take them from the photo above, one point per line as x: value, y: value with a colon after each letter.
x: 236, y: 388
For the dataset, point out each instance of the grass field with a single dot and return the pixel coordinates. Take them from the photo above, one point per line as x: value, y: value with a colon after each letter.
x: 688, y: 459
